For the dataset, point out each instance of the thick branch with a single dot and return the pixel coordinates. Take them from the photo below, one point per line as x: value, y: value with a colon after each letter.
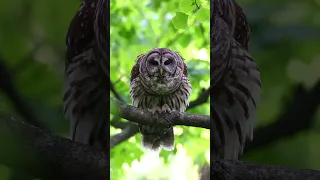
x: 230, y: 170
x: 49, y: 157
x: 145, y: 117
x: 35, y: 152
x: 131, y: 129
x: 202, y: 98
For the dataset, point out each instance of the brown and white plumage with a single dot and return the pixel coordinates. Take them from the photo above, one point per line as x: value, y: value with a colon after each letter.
x: 159, y: 83
x: 86, y: 95
x: 235, y: 86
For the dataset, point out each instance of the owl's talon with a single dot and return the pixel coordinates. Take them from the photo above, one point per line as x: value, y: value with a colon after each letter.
x: 152, y: 110
x: 155, y: 110
x: 166, y: 108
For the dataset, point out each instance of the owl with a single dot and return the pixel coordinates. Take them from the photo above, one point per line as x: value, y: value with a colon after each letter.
x: 86, y: 74
x: 160, y: 84
x: 233, y: 15
x: 235, y: 83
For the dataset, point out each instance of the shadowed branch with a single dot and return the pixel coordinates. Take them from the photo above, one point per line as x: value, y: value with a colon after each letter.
x: 50, y: 157
x: 42, y: 155
x: 230, y: 170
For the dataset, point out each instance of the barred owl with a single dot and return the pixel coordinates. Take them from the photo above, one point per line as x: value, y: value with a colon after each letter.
x: 86, y: 75
x: 230, y: 12
x: 159, y: 83
x: 235, y: 81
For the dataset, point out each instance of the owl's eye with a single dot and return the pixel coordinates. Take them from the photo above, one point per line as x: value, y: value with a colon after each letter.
x: 169, y: 61
x: 153, y: 62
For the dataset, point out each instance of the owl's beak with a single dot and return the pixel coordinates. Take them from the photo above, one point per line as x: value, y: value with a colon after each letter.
x: 161, y: 71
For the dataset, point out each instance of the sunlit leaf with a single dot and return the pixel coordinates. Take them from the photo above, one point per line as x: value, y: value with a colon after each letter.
x: 180, y: 20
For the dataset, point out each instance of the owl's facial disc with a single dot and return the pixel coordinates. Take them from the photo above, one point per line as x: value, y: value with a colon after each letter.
x: 161, y: 66
x: 160, y: 72
x: 168, y: 64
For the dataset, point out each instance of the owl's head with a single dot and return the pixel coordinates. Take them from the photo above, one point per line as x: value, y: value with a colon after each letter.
x: 160, y: 70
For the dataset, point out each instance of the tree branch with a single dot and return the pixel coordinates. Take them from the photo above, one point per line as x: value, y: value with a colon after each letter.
x: 115, y: 93
x: 42, y: 155
x: 141, y: 116
x: 303, y: 106
x: 19, y: 103
x: 50, y: 157
x: 132, y: 129
x: 115, y: 122
x: 202, y: 98
x: 231, y: 170
x: 125, y: 134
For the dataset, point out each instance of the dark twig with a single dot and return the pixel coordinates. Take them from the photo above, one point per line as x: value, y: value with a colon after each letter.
x: 141, y: 116
x: 231, y: 170
x: 115, y: 93
x: 202, y: 98
x: 125, y: 134
x: 115, y: 122
x: 19, y: 103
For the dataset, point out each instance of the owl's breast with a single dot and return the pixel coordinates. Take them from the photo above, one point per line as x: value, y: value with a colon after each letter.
x: 154, y: 94
x: 160, y: 85
x: 161, y: 88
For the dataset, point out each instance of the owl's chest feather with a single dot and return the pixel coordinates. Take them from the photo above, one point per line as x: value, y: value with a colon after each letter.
x: 177, y: 100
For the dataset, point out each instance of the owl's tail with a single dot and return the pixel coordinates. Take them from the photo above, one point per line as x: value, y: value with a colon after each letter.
x: 154, y: 142
x: 89, y: 131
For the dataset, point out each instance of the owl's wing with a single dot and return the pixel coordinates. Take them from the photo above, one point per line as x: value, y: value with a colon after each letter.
x: 102, y: 37
x: 85, y: 97
x: 231, y: 13
x: 235, y: 92
x: 184, y: 66
x: 135, y: 69
x: 242, y: 29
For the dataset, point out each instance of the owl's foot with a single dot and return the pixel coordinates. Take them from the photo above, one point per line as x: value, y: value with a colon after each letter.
x: 165, y: 108
x: 154, y: 110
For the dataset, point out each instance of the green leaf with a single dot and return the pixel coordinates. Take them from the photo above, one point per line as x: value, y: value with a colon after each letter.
x: 203, y: 15
x: 185, y: 40
x: 180, y: 20
x: 187, y: 6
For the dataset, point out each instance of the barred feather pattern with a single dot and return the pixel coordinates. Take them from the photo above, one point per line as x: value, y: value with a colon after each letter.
x: 236, y: 91
x: 231, y: 13
x: 85, y: 98
x: 144, y: 96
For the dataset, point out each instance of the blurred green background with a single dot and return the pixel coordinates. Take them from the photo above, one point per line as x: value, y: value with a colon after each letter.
x: 32, y: 46
x: 284, y: 42
x: 137, y: 26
